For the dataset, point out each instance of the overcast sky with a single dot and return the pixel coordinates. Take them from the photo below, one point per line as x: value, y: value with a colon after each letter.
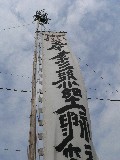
x: 93, y: 33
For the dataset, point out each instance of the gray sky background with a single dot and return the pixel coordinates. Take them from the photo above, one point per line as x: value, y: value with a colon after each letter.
x: 93, y: 35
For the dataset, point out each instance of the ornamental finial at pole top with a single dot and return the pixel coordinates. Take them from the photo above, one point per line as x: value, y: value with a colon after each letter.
x: 42, y: 17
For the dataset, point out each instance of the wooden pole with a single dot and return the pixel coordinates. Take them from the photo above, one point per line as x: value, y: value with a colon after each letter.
x: 41, y: 19
x: 32, y: 134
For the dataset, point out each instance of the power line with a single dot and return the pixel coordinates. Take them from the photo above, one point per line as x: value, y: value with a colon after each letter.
x: 102, y: 99
x: 25, y: 91
x: 99, y: 77
x: 17, y: 150
x: 15, y: 90
x: 4, y: 29
x: 96, y: 89
x: 13, y: 74
x: 10, y: 149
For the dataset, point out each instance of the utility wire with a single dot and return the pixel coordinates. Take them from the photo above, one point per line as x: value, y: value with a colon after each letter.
x: 13, y: 74
x: 15, y: 90
x: 102, y: 99
x: 99, y: 77
x: 96, y: 89
x: 19, y: 26
x: 9, y: 149
x: 17, y: 150
x: 14, y: 28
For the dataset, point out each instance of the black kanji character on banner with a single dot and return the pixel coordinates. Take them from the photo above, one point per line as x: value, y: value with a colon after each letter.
x: 68, y: 107
x: 64, y: 79
x: 62, y: 60
x: 70, y: 73
x: 70, y: 151
x: 57, y: 45
x: 57, y: 36
x: 64, y: 121
x: 52, y: 35
x: 88, y: 152
x: 47, y: 38
x: 60, y: 56
x: 67, y: 121
x: 85, y: 131
x: 65, y: 70
x: 64, y: 64
x: 68, y: 95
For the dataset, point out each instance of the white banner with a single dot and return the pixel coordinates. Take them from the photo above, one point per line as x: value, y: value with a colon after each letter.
x: 66, y: 121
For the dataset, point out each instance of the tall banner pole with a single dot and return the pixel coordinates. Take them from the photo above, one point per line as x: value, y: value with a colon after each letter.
x: 41, y: 18
x: 32, y: 140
